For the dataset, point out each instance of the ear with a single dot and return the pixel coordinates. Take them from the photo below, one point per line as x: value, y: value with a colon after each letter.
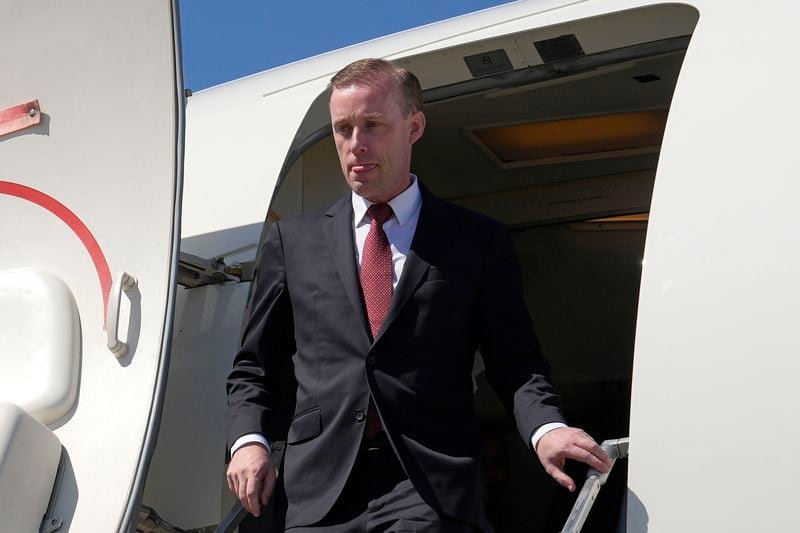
x: 417, y: 126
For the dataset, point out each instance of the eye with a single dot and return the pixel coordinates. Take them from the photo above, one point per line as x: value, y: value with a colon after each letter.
x: 371, y: 124
x: 342, y: 129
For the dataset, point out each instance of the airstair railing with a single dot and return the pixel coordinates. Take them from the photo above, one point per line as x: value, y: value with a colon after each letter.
x: 232, y: 519
x: 616, y: 449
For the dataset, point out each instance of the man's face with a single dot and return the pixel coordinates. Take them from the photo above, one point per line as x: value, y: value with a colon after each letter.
x: 374, y: 139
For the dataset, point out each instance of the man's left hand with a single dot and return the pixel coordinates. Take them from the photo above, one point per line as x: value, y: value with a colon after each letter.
x: 560, y: 444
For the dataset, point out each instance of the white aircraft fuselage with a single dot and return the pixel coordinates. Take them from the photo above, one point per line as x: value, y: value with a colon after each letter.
x: 641, y: 153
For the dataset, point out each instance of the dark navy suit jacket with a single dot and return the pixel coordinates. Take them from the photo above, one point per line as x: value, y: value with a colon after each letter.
x: 460, y: 289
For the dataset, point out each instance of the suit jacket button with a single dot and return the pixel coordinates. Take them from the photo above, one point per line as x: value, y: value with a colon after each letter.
x: 360, y: 416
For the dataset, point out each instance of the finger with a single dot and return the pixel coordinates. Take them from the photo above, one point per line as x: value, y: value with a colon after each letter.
x: 268, y: 487
x: 591, y: 453
x: 252, y: 493
x: 241, y: 491
x: 561, y: 478
x: 585, y: 456
x: 235, y: 482
x: 590, y: 444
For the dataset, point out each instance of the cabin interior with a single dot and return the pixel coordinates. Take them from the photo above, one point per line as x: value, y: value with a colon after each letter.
x: 568, y: 163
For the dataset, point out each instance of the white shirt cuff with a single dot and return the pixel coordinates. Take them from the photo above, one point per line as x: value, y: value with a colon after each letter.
x: 539, y: 433
x: 250, y: 438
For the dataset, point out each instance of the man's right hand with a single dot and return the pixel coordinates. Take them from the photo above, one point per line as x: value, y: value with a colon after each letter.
x: 251, y: 476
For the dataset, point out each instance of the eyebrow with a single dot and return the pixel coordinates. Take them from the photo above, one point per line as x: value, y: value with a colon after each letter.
x: 367, y: 116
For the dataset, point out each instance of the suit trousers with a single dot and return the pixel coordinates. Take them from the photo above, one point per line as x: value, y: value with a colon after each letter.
x: 379, y: 498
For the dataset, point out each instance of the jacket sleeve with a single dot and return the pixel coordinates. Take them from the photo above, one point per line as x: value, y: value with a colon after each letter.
x: 264, y: 359
x: 514, y: 363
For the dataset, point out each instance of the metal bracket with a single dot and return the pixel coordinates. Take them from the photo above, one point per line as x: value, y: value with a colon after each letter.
x: 53, y: 524
x: 195, y: 271
x: 20, y: 117
x: 150, y: 522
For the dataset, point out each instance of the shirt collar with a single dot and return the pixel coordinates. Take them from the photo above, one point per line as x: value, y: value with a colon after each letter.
x: 403, y: 205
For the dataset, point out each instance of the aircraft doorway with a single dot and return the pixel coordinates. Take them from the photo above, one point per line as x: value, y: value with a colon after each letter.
x: 568, y: 162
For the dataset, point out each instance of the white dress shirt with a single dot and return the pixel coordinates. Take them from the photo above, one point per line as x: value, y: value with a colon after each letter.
x: 399, y: 229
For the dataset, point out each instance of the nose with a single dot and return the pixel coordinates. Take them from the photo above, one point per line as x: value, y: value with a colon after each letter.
x: 358, y: 141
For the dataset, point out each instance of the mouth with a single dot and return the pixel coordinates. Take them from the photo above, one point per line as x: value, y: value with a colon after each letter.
x: 360, y: 169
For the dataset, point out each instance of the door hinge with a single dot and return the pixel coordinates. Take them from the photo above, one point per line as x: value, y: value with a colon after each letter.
x: 195, y: 271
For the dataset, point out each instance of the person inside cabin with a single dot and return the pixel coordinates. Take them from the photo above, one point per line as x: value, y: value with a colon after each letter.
x: 375, y: 306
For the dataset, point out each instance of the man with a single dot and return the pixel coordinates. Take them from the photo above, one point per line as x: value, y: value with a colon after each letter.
x: 377, y: 304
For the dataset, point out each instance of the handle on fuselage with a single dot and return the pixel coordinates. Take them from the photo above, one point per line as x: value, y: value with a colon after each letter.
x: 124, y: 282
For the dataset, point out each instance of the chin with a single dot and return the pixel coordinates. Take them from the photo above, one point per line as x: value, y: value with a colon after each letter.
x: 361, y: 186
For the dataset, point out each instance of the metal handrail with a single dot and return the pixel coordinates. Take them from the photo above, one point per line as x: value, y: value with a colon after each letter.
x: 616, y: 449
x: 232, y: 519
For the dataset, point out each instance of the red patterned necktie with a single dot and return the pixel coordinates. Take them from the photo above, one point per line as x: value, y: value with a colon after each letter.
x: 376, y: 282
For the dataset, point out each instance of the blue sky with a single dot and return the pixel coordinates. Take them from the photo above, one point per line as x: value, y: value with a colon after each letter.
x: 226, y: 39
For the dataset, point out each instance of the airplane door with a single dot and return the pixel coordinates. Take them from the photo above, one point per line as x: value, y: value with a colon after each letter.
x: 91, y: 119
x: 715, y: 367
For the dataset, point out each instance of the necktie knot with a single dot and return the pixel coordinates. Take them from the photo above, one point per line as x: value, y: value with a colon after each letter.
x: 380, y: 212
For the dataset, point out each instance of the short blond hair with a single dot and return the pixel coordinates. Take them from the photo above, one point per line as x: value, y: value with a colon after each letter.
x: 371, y: 72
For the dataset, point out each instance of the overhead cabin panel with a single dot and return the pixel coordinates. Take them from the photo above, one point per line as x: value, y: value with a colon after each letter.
x: 591, y: 35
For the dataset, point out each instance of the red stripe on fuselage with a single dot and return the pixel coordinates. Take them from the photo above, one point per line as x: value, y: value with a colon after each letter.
x: 75, y: 224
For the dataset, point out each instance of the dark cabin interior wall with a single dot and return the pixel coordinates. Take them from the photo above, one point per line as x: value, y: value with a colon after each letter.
x: 581, y: 287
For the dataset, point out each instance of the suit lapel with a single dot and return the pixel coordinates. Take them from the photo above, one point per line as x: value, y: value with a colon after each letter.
x: 338, y: 229
x: 425, y: 246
